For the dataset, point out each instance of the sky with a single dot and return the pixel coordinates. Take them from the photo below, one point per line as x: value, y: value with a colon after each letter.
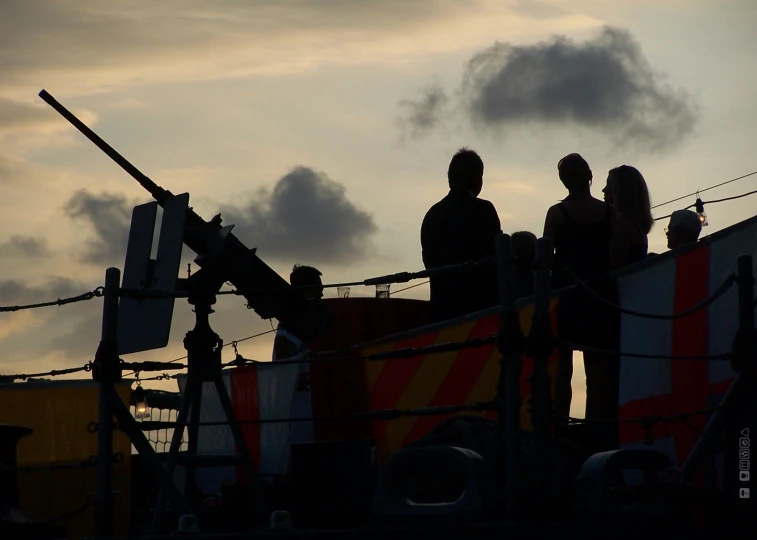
x: 323, y: 132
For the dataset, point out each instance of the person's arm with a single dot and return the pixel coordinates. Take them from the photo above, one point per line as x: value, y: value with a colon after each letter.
x: 552, y: 222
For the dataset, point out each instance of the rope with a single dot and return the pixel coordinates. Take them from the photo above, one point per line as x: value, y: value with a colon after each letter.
x: 98, y: 292
x: 730, y: 280
x: 704, y: 357
x: 166, y: 376
x: 401, y: 277
x: 408, y: 352
x: 410, y: 287
x: 646, y: 420
x: 76, y: 511
x: 53, y: 373
x: 91, y: 461
x: 386, y: 414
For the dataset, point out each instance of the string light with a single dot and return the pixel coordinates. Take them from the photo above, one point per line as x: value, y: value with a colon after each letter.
x: 140, y: 408
x: 700, y: 211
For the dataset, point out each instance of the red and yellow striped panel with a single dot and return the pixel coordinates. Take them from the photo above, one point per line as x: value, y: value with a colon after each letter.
x: 450, y: 378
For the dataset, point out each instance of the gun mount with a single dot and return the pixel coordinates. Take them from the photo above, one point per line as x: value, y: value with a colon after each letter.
x: 221, y: 253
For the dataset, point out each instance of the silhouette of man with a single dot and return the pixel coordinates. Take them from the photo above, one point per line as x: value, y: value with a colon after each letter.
x: 287, y: 345
x: 461, y: 228
x: 684, y: 228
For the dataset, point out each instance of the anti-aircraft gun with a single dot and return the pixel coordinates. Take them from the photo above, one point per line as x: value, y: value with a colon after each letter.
x: 222, y: 258
x: 222, y: 254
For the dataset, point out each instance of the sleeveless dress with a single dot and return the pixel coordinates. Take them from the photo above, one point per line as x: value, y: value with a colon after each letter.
x: 584, y: 249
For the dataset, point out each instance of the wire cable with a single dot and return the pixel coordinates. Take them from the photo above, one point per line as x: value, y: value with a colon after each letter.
x: 703, y: 190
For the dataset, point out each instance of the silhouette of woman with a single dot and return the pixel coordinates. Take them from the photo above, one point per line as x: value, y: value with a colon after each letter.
x: 584, y: 231
x: 627, y: 191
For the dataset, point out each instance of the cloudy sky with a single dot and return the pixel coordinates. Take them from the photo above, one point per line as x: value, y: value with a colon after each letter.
x: 323, y: 130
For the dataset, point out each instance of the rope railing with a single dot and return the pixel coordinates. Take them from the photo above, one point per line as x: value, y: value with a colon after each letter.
x: 386, y: 414
x: 401, y: 277
x: 393, y: 414
x: 52, y: 373
x: 91, y: 461
x: 96, y: 293
x: 720, y: 291
x: 702, y: 357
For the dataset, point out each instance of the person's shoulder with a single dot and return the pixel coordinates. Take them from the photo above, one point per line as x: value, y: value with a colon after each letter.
x: 555, y: 212
x: 484, y: 204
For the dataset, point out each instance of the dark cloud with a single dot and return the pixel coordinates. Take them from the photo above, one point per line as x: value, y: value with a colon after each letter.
x: 422, y: 115
x: 28, y: 246
x: 604, y: 84
x: 109, y: 215
x: 306, y: 217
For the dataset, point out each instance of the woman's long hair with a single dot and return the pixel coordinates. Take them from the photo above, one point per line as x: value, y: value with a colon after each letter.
x: 632, y: 196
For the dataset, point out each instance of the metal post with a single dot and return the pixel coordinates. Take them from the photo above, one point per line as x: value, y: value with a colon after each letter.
x: 510, y: 344
x: 745, y: 282
x: 541, y: 348
x: 107, y: 372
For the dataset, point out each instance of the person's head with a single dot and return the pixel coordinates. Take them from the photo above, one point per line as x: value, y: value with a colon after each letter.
x: 575, y: 173
x: 523, y: 246
x: 466, y: 171
x: 684, y: 228
x: 627, y: 191
x: 308, y: 277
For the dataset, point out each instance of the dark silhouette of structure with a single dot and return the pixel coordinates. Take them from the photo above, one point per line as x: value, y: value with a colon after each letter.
x: 461, y: 228
x: 523, y: 245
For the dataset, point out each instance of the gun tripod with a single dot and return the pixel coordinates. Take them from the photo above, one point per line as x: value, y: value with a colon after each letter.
x: 204, y: 364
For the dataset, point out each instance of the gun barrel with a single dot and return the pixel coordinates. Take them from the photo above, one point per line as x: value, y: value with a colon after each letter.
x: 241, y: 266
x: 155, y: 190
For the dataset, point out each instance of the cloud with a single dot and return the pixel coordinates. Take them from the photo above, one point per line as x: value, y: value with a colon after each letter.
x: 26, y: 246
x: 306, y: 217
x: 422, y: 115
x: 109, y: 215
x: 604, y: 84
x: 83, y: 47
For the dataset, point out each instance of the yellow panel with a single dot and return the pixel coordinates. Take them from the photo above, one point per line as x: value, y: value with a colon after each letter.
x: 425, y: 384
x: 373, y: 368
x: 485, y: 387
x: 59, y: 413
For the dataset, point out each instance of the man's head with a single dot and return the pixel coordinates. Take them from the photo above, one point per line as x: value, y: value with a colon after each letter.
x: 466, y: 171
x: 575, y: 173
x: 309, y: 278
x: 684, y: 228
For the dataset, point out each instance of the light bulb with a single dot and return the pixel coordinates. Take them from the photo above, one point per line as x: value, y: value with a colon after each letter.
x: 140, y: 407
x: 700, y: 212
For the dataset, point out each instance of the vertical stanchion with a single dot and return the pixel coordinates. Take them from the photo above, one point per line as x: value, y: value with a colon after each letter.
x: 107, y: 372
x: 741, y: 419
x: 510, y: 344
x: 540, y: 349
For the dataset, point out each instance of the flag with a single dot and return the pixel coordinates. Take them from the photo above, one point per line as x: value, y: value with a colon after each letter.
x: 257, y: 391
x: 667, y: 284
